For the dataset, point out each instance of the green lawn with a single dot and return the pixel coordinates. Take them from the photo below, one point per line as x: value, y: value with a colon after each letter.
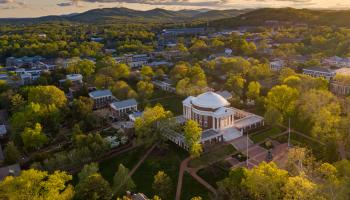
x: 214, y: 155
x: 214, y: 173
x: 298, y: 140
x: 169, y: 101
x: 168, y: 161
x: 128, y: 159
x: 191, y: 188
x: 259, y: 137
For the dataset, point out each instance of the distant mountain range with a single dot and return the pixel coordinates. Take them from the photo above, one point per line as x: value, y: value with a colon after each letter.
x: 113, y: 15
x: 311, y: 17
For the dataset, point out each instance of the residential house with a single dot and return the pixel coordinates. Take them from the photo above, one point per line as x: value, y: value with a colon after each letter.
x: 123, y: 108
x: 277, y: 64
x: 101, y: 98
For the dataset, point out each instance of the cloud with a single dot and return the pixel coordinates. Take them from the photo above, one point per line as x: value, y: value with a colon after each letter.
x: 64, y: 4
x: 162, y: 2
x: 6, y: 1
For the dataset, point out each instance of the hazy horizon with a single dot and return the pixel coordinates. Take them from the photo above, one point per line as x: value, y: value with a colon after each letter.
x: 38, y: 8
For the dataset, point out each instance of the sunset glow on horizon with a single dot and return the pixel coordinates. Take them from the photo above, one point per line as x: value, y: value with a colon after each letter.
x: 37, y: 8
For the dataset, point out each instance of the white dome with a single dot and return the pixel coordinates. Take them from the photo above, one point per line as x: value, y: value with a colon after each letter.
x: 210, y: 100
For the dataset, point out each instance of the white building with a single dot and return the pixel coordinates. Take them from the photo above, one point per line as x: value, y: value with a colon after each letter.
x: 337, y: 61
x: 165, y: 85
x: 319, y: 72
x: 101, y: 98
x: 123, y: 108
x: 277, y: 65
x: 219, y: 121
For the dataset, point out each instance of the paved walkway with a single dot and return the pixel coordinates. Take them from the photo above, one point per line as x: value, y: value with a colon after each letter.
x: 193, y: 172
x: 183, y: 167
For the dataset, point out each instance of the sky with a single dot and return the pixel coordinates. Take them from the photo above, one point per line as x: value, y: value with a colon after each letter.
x: 37, y: 8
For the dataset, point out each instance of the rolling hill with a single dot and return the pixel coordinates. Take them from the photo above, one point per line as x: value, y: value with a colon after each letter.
x: 311, y: 17
x: 112, y: 15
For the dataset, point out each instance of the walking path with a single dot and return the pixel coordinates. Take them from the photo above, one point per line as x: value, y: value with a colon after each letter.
x: 183, y: 167
x: 193, y: 172
x: 142, y: 160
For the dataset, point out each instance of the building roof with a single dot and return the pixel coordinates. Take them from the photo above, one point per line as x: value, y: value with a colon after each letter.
x: 343, y: 71
x: 210, y: 100
x: 100, y: 93
x: 10, y: 170
x: 74, y: 77
x: 318, y: 69
x: 248, y: 121
x: 124, y: 104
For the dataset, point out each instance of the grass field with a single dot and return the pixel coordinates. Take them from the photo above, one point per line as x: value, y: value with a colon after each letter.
x: 128, y: 159
x: 213, y: 156
x: 169, y: 101
x: 191, y: 188
x: 214, y: 173
x: 259, y: 137
x: 168, y: 161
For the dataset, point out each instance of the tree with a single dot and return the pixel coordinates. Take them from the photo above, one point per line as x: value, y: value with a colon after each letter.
x: 253, y: 90
x: 332, y: 186
x: 122, y: 181
x: 283, y: 99
x: 122, y: 90
x: 162, y: 184
x: 17, y: 102
x: 34, y: 138
x: 34, y: 184
x: 144, y: 90
x: 159, y: 73
x: 285, y: 73
x: 231, y: 187
x: 84, y: 67
x: 82, y: 107
x: 265, y: 181
x: 107, y: 61
x: 300, y: 161
x: 93, y: 187
x: 47, y: 95
x: 293, y: 82
x: 146, y: 126
x: 103, y: 81
x: 89, y: 169
x: 11, y: 153
x: 193, y: 133
x: 236, y: 83
x: 179, y: 71
x: 121, y: 71
x: 273, y: 116
x: 300, y: 188
x: 146, y: 72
